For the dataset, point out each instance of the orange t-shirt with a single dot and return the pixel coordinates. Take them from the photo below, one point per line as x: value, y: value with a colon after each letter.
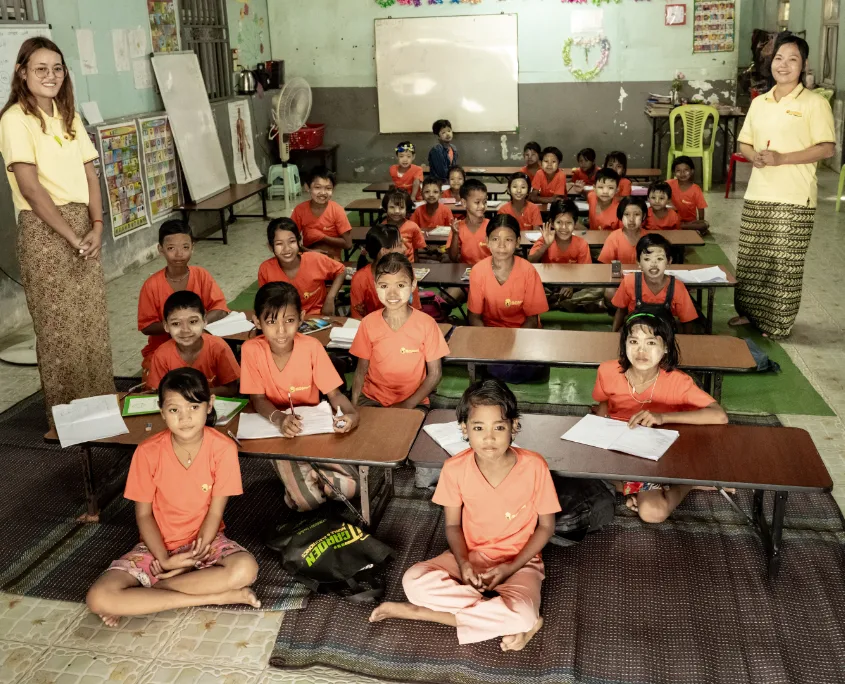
x: 333, y: 222
x: 549, y: 188
x: 397, y: 358
x: 624, y: 188
x: 441, y: 217
x: 669, y: 222
x: 674, y: 391
x: 508, y: 305
x: 310, y: 280
x: 473, y: 245
x: 215, y: 361
x: 603, y: 220
x: 412, y: 238
x: 406, y: 180
x: 530, y: 217
x: 585, y: 178
x: 363, y: 296
x: 156, y: 290
x: 528, y: 173
x: 682, y: 306
x: 578, y: 252
x: 687, y: 202
x: 181, y: 496
x: 308, y: 372
x: 619, y: 248
x: 498, y: 521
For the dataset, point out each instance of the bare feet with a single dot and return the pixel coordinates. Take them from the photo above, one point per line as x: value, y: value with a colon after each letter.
x: 631, y: 502
x: 110, y: 620
x: 393, y: 609
x: 516, y: 642
x: 738, y: 320
x: 245, y: 596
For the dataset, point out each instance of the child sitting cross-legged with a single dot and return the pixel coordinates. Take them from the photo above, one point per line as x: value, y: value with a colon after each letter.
x: 180, y: 480
x: 321, y: 221
x: 499, y: 507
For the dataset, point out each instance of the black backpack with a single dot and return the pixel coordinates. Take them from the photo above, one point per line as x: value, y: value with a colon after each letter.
x: 586, y: 506
x: 656, y: 309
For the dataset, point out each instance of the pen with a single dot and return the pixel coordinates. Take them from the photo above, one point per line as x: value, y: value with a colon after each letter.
x: 768, y: 142
x: 237, y: 441
x: 290, y: 401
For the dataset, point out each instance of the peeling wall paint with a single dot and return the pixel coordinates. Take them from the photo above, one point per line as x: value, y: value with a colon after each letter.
x: 622, y: 96
x: 504, y: 140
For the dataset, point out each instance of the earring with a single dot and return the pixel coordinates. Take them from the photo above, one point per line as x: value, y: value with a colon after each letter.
x: 465, y: 438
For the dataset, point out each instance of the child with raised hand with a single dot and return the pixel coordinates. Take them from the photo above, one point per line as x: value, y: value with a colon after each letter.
x: 457, y: 178
x: 176, y: 245
x: 531, y: 153
x: 549, y: 182
x: 495, y: 531
x: 645, y: 387
x: 650, y: 289
x: 586, y: 172
x: 180, y: 480
x: 621, y: 245
x: 399, y: 349
x: 444, y: 155
x: 467, y: 243
x: 284, y: 368
x: 190, y: 347
x: 603, y: 202
x: 687, y: 197
x: 398, y: 206
x: 527, y: 213
x: 660, y: 215
x: 381, y: 240
x: 557, y: 244
x: 505, y: 291
x: 406, y: 175
x: 618, y: 161
x: 306, y: 271
x: 433, y: 213
x: 322, y: 222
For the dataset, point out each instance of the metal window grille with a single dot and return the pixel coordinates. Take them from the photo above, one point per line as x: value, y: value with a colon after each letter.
x: 829, y: 42
x: 205, y: 30
x: 22, y: 11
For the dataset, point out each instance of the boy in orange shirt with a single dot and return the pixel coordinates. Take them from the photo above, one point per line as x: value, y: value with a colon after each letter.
x: 323, y: 223
x: 183, y: 558
x: 656, y: 288
x: 467, y: 242
x: 527, y: 213
x: 491, y: 548
x: 398, y: 206
x: 660, y: 216
x: 531, y: 153
x: 618, y: 161
x: 306, y: 271
x: 586, y: 172
x: 176, y: 245
x: 433, y: 213
x: 603, y: 202
x: 184, y: 321
x: 405, y: 174
x: 399, y: 349
x: 549, y: 182
x: 687, y: 197
x: 621, y: 245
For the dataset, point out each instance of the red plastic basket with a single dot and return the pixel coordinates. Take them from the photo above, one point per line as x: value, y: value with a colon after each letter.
x: 309, y: 137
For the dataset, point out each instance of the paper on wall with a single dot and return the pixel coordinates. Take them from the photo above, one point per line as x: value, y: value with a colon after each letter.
x: 138, y: 42
x: 143, y: 72
x: 120, y: 45
x: 586, y: 22
x: 87, y: 54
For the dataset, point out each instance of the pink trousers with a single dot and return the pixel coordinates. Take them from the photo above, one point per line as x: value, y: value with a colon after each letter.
x: 436, y: 584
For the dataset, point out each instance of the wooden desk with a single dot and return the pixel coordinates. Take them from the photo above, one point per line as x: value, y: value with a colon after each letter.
x: 764, y: 459
x: 493, y: 189
x: 227, y: 200
x: 500, y: 173
x: 711, y: 356
x: 392, y: 430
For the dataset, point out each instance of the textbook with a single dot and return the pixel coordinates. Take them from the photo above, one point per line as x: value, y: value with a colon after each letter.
x: 440, y: 231
x: 89, y: 419
x: 312, y: 325
x: 420, y: 273
x: 615, y: 435
x: 236, y: 322
x: 227, y: 408
x: 340, y: 337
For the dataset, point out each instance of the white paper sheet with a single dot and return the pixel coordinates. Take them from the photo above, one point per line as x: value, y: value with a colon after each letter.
x: 120, y: 46
x: 440, y: 231
x: 533, y: 235
x: 448, y: 436
x: 341, y: 337
x: 582, y: 206
x: 87, y: 420
x: 494, y: 204
x: 138, y: 46
x: 87, y: 54
x: 225, y: 407
x: 91, y: 112
x: 236, y: 322
x: 713, y: 274
x: 143, y: 72
x: 316, y: 420
x: 143, y: 404
x: 256, y: 426
x: 615, y: 435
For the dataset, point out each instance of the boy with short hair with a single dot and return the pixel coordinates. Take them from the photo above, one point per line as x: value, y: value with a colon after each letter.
x: 549, y: 182
x: 189, y: 346
x: 603, y: 201
x: 406, y: 175
x: 444, y: 155
x: 531, y: 153
x: 323, y: 223
x: 586, y: 172
x: 176, y: 245
x: 661, y: 216
x: 432, y: 214
x: 687, y: 197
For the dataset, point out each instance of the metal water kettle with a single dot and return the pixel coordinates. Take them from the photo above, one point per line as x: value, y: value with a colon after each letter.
x: 246, y: 82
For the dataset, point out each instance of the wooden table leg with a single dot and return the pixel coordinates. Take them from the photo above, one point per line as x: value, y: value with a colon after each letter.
x: 717, y: 386
x: 711, y: 299
x: 471, y: 371
x: 224, y: 227
x: 264, y: 203
x: 771, y: 535
x: 92, y: 514
x: 364, y: 479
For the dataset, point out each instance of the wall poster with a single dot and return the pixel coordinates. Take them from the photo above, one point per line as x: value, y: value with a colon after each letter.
x: 713, y: 26
x: 161, y: 168
x: 120, y: 150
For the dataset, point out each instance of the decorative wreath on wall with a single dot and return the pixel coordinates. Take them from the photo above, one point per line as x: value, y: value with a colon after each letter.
x: 584, y: 2
x: 417, y: 3
x: 586, y: 43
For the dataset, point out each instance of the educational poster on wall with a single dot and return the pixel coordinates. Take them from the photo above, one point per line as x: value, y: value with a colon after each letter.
x: 164, y: 30
x: 713, y: 26
x: 119, y: 146
x: 240, y: 123
x: 161, y: 168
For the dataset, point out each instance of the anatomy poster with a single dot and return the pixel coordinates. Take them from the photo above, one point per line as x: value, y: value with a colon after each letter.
x: 243, y: 150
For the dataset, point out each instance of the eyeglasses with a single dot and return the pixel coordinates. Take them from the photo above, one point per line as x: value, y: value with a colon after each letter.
x: 57, y: 71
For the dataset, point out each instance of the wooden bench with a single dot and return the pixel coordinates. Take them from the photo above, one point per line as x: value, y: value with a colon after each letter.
x: 776, y: 459
x: 227, y: 200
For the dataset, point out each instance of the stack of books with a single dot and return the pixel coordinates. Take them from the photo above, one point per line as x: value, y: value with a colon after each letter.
x: 657, y: 105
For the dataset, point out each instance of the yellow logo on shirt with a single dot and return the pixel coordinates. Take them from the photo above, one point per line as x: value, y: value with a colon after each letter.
x: 513, y: 302
x: 402, y: 350
x: 306, y: 295
x: 482, y: 244
x: 793, y: 112
x: 205, y: 487
x: 294, y: 388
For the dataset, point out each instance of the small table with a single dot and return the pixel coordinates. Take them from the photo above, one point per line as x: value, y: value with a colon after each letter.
x: 326, y: 155
x: 776, y: 459
x: 227, y: 200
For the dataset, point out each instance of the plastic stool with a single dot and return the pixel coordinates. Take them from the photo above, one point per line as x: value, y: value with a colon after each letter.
x: 731, y: 168
x: 290, y: 184
x: 841, y: 186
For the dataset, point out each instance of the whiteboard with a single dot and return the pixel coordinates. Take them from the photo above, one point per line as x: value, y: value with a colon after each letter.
x: 464, y: 69
x: 11, y: 40
x: 186, y: 101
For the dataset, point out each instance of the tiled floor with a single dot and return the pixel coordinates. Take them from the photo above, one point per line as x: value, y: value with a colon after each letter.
x: 49, y: 641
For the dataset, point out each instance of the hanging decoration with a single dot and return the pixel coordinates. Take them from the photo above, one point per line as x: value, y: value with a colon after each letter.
x: 417, y: 3
x: 586, y: 43
x: 595, y: 2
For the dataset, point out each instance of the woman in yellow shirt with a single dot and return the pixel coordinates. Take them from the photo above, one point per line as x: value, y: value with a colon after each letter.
x: 49, y: 163
x: 786, y: 132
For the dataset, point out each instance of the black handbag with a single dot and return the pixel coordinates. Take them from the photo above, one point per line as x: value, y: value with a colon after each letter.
x: 586, y: 506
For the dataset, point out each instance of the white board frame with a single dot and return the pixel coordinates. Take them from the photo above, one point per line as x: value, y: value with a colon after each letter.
x: 461, y: 68
x: 15, y: 31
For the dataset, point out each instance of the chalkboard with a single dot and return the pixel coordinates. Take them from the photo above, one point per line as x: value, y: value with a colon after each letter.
x: 11, y: 40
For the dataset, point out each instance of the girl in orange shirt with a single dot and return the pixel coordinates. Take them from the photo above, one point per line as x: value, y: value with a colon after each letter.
x: 531, y: 154
x: 398, y: 348
x: 183, y: 558
x: 645, y: 387
x: 687, y: 197
x: 457, y: 178
x: 527, y: 213
x: 398, y: 206
x: 433, y: 213
x: 586, y: 172
x: 467, y: 243
x: 618, y: 161
x: 405, y: 174
x: 621, y: 245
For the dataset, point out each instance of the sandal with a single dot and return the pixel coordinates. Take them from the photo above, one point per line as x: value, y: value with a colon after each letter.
x: 737, y: 321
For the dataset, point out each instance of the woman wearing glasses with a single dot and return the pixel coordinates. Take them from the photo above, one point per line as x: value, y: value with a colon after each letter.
x: 49, y: 161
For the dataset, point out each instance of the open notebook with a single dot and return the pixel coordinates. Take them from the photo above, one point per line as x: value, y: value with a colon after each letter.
x: 316, y: 420
x: 89, y: 419
x: 615, y: 435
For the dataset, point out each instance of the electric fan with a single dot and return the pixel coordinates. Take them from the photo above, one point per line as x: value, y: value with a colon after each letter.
x: 291, y: 108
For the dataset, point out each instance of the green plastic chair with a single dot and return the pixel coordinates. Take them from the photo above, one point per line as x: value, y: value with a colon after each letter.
x: 841, y: 186
x: 826, y: 93
x: 694, y: 118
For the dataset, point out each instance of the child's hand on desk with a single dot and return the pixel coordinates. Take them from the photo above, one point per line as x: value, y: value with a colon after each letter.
x: 469, y: 576
x: 646, y: 419
x: 495, y: 576
x: 346, y: 422
x: 548, y: 233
